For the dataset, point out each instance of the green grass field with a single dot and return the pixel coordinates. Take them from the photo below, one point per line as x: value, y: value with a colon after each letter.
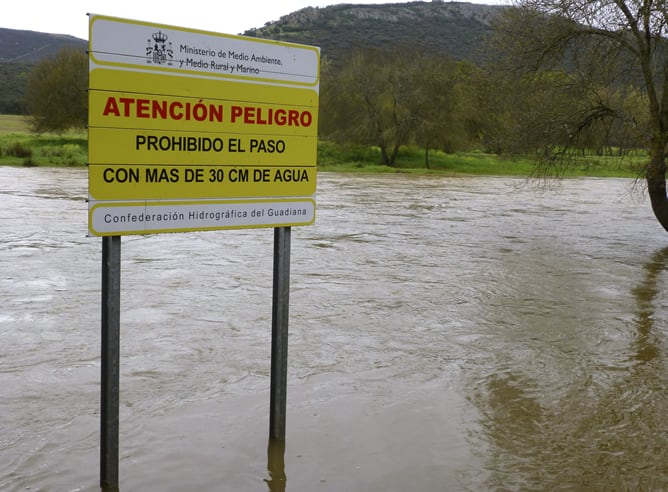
x: 10, y: 123
x: 19, y: 147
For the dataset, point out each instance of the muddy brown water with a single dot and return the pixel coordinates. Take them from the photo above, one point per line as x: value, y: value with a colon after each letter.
x: 445, y: 334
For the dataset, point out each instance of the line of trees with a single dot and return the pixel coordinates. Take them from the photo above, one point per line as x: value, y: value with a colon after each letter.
x: 403, y: 97
x: 389, y: 99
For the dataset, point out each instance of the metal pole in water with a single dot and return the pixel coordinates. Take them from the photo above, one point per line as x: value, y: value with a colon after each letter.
x: 111, y: 307
x: 279, y: 333
x: 276, y: 465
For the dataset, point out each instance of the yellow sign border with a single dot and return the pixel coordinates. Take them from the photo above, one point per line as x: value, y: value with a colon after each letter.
x: 121, y: 65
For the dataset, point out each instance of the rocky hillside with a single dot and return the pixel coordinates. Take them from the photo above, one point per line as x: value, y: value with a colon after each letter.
x: 457, y: 29
x: 31, y: 46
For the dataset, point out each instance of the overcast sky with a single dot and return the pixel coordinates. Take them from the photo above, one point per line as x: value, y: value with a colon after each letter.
x: 230, y: 17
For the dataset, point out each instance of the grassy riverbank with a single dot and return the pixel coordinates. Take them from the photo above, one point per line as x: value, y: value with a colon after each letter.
x: 18, y: 147
x: 412, y: 160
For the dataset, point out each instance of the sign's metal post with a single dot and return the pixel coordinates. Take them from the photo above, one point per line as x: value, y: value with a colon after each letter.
x: 279, y: 333
x: 264, y: 176
x: 111, y: 307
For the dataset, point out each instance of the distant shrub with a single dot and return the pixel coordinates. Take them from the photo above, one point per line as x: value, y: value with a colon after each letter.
x: 61, y: 151
x: 17, y: 149
x: 332, y: 153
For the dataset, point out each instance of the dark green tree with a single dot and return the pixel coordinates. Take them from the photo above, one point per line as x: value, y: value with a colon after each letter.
x: 367, y: 99
x: 56, y: 95
x: 433, y: 104
x: 485, y: 97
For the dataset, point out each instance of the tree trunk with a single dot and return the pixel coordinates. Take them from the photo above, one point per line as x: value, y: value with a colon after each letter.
x: 393, y: 156
x: 426, y: 157
x: 656, y: 186
x: 384, y: 156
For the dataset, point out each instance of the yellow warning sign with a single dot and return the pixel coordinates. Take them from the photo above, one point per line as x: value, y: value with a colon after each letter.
x: 180, y: 114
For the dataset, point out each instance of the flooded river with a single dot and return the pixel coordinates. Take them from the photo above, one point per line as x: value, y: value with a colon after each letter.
x: 446, y: 334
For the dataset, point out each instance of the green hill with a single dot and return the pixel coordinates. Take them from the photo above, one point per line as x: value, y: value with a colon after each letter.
x: 19, y: 51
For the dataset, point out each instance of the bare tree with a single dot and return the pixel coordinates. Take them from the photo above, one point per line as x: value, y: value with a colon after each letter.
x: 602, y: 45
